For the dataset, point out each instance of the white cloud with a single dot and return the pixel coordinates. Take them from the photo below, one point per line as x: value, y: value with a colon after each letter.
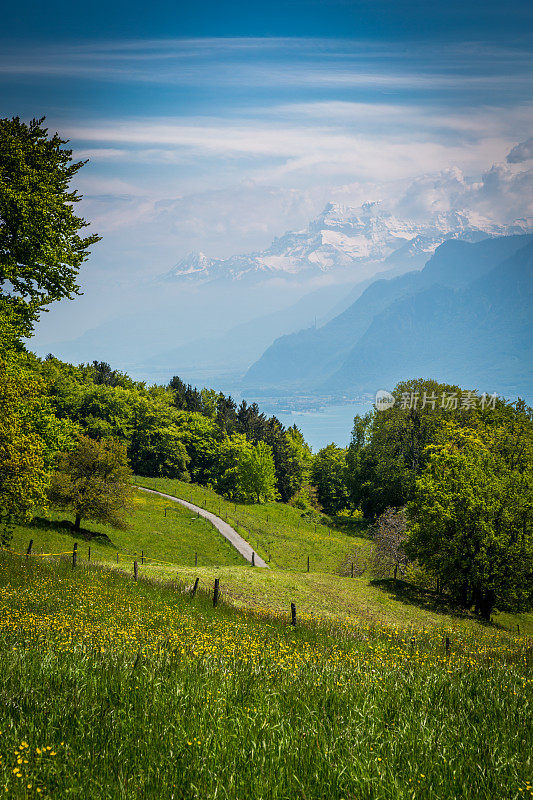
x: 521, y: 152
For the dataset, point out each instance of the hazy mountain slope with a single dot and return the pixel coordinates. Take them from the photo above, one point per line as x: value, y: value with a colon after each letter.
x: 242, y: 344
x: 304, y: 360
x: 480, y: 335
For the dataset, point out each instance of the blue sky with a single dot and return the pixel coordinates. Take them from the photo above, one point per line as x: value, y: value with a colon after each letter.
x: 216, y: 126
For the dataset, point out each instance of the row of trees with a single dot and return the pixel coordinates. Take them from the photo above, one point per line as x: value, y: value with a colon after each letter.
x: 180, y: 432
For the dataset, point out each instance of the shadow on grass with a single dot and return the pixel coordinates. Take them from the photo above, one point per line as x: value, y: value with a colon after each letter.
x: 65, y: 526
x: 412, y: 595
x: 352, y: 527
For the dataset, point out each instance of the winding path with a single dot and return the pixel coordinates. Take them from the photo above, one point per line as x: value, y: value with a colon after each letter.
x: 226, y: 530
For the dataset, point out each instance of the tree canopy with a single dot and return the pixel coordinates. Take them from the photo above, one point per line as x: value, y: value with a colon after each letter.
x: 41, y: 249
x: 93, y: 481
x: 472, y: 514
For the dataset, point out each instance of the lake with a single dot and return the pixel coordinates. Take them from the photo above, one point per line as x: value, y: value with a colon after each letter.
x: 330, y: 424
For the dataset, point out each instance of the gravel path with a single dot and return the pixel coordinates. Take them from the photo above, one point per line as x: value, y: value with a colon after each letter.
x: 226, y: 530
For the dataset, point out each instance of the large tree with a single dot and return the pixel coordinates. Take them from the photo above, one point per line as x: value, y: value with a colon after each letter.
x: 257, y: 473
x: 30, y: 433
x: 472, y: 513
x: 93, y: 481
x: 329, y: 475
x: 41, y: 249
x: 388, y: 448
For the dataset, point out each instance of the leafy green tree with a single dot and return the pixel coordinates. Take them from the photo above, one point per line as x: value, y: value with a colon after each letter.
x: 257, y: 473
x: 201, y: 439
x: 227, y: 475
x: 23, y: 476
x: 300, y: 457
x: 287, y: 464
x: 388, y: 447
x: 226, y: 414
x: 156, y: 447
x: 329, y: 475
x: 30, y: 434
x: 41, y: 249
x: 472, y: 514
x: 93, y: 481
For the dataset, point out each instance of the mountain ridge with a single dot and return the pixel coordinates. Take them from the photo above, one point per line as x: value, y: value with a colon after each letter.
x: 328, y: 359
x: 342, y: 238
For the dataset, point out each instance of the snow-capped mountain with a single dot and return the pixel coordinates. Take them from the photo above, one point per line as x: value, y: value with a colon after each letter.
x: 351, y: 241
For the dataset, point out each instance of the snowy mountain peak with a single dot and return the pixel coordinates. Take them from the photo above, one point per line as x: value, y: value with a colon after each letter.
x: 353, y: 242
x: 193, y: 264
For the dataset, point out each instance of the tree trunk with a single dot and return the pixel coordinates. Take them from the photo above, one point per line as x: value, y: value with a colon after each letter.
x: 485, y: 605
x: 77, y: 522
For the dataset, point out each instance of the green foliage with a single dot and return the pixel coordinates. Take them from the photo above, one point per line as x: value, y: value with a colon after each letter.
x: 329, y: 475
x: 231, y: 452
x: 275, y: 529
x: 473, y: 513
x: 30, y: 434
x: 388, y: 448
x: 41, y: 249
x: 200, y: 437
x: 257, y: 473
x: 93, y: 481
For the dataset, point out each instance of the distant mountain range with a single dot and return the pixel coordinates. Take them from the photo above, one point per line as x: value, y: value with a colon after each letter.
x: 464, y: 318
x: 354, y: 242
x: 210, y: 319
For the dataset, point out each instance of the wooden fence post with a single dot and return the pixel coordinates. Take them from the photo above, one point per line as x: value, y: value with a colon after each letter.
x: 89, y: 554
x: 142, y: 556
x: 117, y: 556
x: 75, y: 555
x: 196, y: 559
x: 447, y: 646
x: 28, y: 551
x: 195, y: 587
x: 352, y: 570
x: 135, y: 571
x: 308, y: 563
x: 293, y: 614
x: 216, y: 592
x: 253, y: 559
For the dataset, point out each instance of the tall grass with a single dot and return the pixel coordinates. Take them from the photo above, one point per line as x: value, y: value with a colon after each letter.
x: 116, y: 689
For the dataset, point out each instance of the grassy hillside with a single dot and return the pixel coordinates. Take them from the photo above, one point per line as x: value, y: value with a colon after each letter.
x: 278, y: 531
x: 161, y: 529
x: 116, y: 689
x: 170, y: 542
